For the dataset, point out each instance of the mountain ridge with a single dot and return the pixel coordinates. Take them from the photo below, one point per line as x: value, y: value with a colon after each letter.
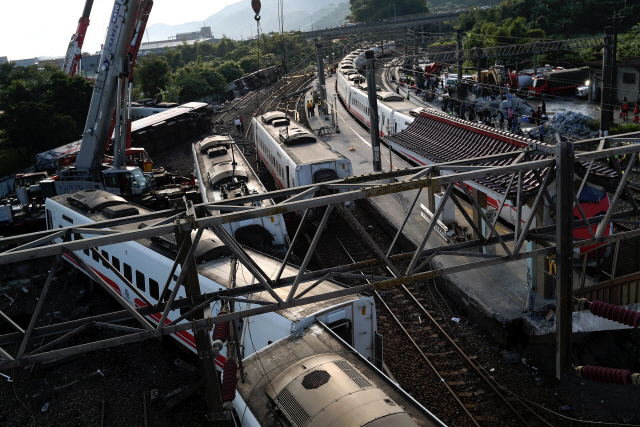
x: 237, y: 19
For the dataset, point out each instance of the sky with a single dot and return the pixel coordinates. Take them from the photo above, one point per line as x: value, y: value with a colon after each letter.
x: 37, y: 28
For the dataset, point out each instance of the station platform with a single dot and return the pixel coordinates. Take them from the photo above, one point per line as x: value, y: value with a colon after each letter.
x: 494, y: 297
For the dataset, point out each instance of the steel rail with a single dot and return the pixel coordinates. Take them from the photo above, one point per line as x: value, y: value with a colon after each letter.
x: 431, y: 365
x: 466, y: 358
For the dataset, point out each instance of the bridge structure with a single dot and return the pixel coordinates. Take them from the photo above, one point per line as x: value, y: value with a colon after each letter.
x: 400, y: 23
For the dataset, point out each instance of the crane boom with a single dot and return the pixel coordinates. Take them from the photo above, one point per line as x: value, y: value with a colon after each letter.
x: 74, y: 51
x: 113, y: 64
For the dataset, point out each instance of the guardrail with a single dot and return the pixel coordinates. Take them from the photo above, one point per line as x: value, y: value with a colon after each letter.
x: 624, y: 290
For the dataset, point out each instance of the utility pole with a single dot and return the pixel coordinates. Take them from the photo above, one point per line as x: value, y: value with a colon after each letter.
x: 478, y: 69
x: 320, y: 61
x: 564, y: 256
x: 535, y: 58
x: 614, y: 65
x: 405, y: 41
x: 373, y: 110
x: 459, y: 87
x: 606, y: 108
x: 202, y: 336
x: 286, y: 55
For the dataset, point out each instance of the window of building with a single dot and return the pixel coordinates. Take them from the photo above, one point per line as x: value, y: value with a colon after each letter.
x: 629, y: 78
x: 116, y: 263
x: 127, y: 272
x: 140, y: 281
x: 154, y: 289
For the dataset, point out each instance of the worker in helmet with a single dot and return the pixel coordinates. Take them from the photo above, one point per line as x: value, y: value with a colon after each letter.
x: 625, y: 109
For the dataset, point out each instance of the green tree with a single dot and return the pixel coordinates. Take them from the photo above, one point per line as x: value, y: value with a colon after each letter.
x: 153, y: 75
x: 174, y: 58
x: 70, y: 96
x: 231, y: 70
x: 373, y: 10
x: 24, y: 139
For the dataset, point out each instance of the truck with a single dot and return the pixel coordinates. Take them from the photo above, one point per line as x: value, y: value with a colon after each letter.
x: 559, y: 81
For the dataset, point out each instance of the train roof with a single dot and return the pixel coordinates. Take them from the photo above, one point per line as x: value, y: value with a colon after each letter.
x: 218, y: 268
x: 324, y: 374
x: 302, y: 146
x: 442, y: 138
x: 214, y: 157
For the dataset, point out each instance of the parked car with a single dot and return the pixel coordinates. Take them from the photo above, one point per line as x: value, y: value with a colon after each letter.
x: 461, y: 10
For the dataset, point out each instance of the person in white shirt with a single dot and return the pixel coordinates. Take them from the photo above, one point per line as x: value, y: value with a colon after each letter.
x: 238, y: 124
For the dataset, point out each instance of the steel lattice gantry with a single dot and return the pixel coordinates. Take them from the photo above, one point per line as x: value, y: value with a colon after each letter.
x: 486, y: 52
x: 402, y: 268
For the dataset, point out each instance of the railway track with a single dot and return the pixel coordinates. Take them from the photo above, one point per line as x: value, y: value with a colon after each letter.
x: 440, y: 373
x: 429, y: 362
x: 275, y: 95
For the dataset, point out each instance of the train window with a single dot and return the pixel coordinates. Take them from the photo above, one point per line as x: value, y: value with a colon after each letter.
x: 116, y: 263
x: 66, y: 218
x: 94, y: 253
x: 140, y: 281
x: 154, y: 289
x: 86, y: 252
x: 106, y: 258
x: 127, y: 272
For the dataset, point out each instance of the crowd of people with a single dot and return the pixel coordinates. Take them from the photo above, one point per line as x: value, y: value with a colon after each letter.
x: 506, y: 119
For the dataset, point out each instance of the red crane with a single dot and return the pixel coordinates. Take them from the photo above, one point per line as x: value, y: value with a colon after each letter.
x: 74, y: 51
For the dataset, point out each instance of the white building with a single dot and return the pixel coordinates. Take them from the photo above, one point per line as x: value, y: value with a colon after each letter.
x: 25, y: 62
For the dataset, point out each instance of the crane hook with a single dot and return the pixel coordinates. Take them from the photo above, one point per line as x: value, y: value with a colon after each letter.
x: 256, y: 5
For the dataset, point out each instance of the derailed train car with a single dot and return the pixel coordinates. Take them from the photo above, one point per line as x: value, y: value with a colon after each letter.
x: 253, y: 81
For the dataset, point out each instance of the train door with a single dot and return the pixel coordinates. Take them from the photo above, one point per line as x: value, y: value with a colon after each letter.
x: 363, y: 327
x: 288, y: 183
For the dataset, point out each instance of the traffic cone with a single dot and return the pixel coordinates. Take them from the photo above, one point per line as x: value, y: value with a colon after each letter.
x: 352, y: 148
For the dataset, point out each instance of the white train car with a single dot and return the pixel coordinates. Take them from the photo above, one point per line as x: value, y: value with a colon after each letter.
x: 223, y: 174
x: 146, y: 263
x: 393, y: 109
x: 294, y: 156
x: 313, y: 379
x: 378, y: 52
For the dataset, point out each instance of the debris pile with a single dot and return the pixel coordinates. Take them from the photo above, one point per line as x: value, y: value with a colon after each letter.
x: 570, y: 124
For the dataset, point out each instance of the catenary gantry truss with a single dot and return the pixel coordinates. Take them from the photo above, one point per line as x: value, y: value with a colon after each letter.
x: 499, y: 51
x: 556, y: 168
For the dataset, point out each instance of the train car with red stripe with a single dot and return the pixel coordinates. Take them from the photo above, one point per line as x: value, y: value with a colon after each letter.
x: 294, y: 156
x: 426, y: 144
x: 146, y: 264
x: 395, y: 113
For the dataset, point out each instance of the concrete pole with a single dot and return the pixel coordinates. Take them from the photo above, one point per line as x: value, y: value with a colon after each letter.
x: 405, y: 42
x: 606, y: 107
x: 478, y: 65
x: 208, y: 370
x: 535, y: 58
x: 373, y: 110
x: 614, y: 60
x: 459, y: 87
x: 286, y: 55
x: 321, y: 87
x: 481, y: 198
x: 564, y: 256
